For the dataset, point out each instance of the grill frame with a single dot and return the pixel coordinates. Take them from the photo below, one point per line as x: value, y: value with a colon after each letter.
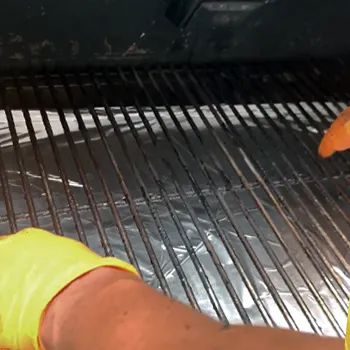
x: 208, y: 86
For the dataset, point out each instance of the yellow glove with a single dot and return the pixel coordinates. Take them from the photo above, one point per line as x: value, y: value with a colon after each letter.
x: 35, y: 266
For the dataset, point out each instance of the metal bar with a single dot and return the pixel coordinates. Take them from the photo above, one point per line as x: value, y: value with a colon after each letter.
x: 310, y: 244
x: 203, y: 152
x: 300, y: 124
x: 39, y: 161
x: 234, y: 257
x: 230, y: 250
x: 311, y: 85
x: 19, y: 158
x: 307, y: 84
x: 280, y: 172
x: 235, y: 297
x: 307, y: 246
x: 10, y: 213
x: 202, y: 275
x: 327, y: 215
x: 311, y: 287
x: 281, y: 87
x: 92, y: 204
x: 93, y: 157
x: 61, y: 170
x: 115, y: 166
x: 297, y: 92
x: 128, y: 198
x: 307, y: 189
x: 161, y: 230
x: 267, y: 217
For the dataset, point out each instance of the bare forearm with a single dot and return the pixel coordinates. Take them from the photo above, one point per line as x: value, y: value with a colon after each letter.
x: 127, y: 314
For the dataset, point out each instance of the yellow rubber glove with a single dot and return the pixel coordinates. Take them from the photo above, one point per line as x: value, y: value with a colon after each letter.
x: 35, y: 266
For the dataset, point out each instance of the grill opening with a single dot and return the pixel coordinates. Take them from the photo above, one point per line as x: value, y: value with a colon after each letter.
x: 206, y: 178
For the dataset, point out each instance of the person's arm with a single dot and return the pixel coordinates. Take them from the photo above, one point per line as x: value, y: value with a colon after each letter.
x: 109, y: 309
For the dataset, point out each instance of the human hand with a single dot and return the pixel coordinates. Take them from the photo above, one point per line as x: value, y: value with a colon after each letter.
x: 35, y: 266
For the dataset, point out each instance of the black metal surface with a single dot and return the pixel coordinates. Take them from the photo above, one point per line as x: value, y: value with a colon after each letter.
x: 207, y: 179
x: 162, y: 31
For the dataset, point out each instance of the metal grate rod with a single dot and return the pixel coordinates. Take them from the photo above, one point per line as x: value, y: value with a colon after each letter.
x: 300, y: 124
x: 185, y: 283
x: 214, y: 191
x: 323, y: 189
x: 307, y: 246
x: 92, y: 204
x: 128, y: 197
x: 245, y: 183
x: 11, y: 215
x: 222, y: 235
x: 327, y: 215
x: 296, y: 264
x: 61, y: 170
x: 198, y: 190
x: 19, y: 159
x: 39, y: 161
x: 216, y: 305
x: 298, y: 93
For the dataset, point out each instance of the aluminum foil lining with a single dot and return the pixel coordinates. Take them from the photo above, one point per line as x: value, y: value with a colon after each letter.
x: 206, y: 149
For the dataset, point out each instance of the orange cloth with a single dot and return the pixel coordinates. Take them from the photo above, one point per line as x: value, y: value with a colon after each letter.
x: 35, y: 266
x: 337, y: 137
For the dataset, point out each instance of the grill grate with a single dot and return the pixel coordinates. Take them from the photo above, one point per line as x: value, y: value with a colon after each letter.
x: 206, y: 179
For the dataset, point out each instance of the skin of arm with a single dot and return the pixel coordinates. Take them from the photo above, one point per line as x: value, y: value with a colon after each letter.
x: 110, y: 309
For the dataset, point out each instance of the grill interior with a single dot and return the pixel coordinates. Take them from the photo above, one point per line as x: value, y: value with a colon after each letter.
x: 205, y: 178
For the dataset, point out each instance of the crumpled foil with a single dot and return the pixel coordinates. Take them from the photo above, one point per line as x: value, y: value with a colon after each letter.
x: 152, y: 199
